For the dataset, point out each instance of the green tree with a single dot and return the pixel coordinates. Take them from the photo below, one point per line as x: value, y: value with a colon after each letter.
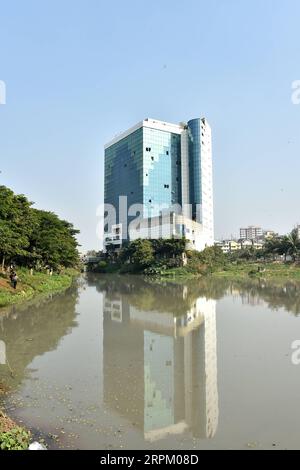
x: 212, y: 256
x: 28, y: 236
x: 53, y: 241
x: 168, y: 248
x: 291, y: 244
x: 143, y: 254
x: 16, y: 224
x: 274, y: 247
x: 139, y: 252
x: 287, y: 245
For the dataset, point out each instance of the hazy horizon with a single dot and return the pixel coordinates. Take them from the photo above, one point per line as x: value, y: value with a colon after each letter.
x: 77, y: 74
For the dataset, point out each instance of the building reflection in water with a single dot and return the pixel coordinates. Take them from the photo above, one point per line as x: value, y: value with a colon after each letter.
x: 166, y: 379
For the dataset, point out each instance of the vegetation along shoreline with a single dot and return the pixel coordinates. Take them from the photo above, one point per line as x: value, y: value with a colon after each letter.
x: 279, y: 259
x: 38, y: 256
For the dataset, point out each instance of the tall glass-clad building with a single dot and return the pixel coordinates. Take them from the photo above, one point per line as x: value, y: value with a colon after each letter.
x: 159, y: 166
x: 200, y: 174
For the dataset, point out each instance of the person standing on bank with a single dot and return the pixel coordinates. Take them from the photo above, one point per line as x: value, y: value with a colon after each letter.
x: 15, y: 280
x: 11, y: 275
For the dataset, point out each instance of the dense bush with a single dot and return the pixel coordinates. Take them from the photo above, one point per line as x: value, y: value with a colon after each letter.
x: 209, y: 260
x: 142, y: 255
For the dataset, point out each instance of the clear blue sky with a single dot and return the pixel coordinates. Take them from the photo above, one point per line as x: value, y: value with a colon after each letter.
x: 78, y: 72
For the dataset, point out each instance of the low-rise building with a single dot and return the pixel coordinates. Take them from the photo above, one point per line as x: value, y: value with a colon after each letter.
x: 268, y: 234
x: 258, y: 245
x: 230, y: 246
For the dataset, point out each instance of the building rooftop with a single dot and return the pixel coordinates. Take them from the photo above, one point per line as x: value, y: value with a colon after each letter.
x: 152, y: 124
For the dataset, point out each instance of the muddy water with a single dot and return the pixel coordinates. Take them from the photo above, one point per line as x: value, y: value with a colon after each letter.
x: 126, y: 363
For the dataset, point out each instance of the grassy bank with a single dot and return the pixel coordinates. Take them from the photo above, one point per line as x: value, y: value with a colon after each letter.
x: 246, y: 270
x: 275, y: 271
x: 32, y: 285
x: 241, y: 270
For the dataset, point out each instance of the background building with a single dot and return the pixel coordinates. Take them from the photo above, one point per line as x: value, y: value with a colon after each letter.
x: 164, y: 167
x: 251, y: 233
x: 230, y: 246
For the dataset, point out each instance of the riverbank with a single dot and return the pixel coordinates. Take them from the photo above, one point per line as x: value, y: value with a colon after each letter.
x: 12, y: 436
x: 170, y: 258
x: 53, y: 403
x: 268, y: 271
x: 235, y: 271
x: 31, y: 285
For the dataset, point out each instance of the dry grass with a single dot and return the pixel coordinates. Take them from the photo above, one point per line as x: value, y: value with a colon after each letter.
x: 6, y: 424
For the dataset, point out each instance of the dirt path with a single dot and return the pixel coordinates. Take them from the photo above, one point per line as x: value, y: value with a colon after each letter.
x: 5, y: 285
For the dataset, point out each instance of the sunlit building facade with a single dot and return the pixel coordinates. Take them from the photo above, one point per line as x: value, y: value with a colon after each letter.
x: 164, y: 168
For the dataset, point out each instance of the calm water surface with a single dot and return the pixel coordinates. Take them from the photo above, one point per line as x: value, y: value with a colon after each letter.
x: 125, y: 363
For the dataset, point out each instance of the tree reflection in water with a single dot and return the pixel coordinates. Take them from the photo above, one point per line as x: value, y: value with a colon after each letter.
x: 178, y: 296
x: 34, y: 328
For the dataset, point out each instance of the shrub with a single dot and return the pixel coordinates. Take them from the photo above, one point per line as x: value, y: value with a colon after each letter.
x: 253, y: 272
x: 129, y: 269
x: 101, y: 267
x: 15, y: 439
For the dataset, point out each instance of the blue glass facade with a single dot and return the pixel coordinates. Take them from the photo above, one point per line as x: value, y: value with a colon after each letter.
x: 145, y: 166
x: 124, y: 171
x: 194, y: 149
x: 162, y: 170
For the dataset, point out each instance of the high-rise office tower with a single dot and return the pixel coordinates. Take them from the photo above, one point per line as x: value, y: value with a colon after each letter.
x: 158, y: 179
